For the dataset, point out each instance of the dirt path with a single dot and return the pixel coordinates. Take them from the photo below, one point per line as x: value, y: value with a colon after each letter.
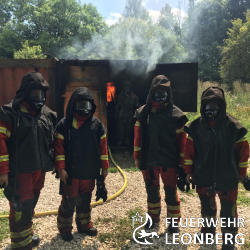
x: 134, y: 197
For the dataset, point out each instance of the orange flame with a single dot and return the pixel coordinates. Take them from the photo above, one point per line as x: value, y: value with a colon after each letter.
x: 110, y: 91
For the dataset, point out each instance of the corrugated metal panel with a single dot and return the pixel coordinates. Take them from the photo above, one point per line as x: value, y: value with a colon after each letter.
x: 10, y: 80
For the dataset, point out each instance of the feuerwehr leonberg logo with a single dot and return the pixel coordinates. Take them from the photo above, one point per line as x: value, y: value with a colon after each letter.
x: 142, y: 234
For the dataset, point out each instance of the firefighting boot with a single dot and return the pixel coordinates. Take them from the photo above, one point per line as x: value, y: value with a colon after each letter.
x: 67, y: 236
x: 154, y: 222
x: 173, y: 230
x: 205, y: 231
x: 90, y: 232
x: 35, y: 240
x: 227, y: 245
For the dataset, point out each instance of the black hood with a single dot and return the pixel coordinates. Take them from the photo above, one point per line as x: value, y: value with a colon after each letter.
x: 31, y: 80
x: 217, y: 95
x: 160, y: 82
x: 81, y: 93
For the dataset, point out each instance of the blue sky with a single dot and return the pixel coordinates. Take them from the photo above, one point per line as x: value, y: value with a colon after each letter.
x: 111, y: 10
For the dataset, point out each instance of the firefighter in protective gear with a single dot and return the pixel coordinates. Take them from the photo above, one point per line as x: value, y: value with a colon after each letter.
x: 127, y: 103
x: 80, y: 152
x: 159, y: 146
x: 26, y: 137
x: 216, y: 159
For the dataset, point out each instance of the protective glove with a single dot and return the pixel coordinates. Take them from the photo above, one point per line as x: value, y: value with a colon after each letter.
x: 182, y: 183
x: 101, y: 191
x: 247, y: 183
x: 13, y: 196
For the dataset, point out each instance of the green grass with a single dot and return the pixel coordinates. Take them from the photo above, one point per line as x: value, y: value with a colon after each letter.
x: 246, y: 246
x: 183, y: 200
x: 122, y: 230
x: 1, y: 193
x: 243, y: 196
x: 112, y: 170
x: 4, y: 228
x: 132, y: 169
x: 115, y: 170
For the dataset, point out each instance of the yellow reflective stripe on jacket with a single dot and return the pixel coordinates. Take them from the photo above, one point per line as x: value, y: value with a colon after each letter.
x: 20, y: 234
x: 74, y: 123
x: 182, y: 154
x: 242, y: 139
x: 59, y: 136
x: 137, y: 148
x: 23, y: 109
x: 137, y: 124
x: 4, y: 158
x: 104, y: 157
x: 179, y: 130
x: 190, y: 138
x: 60, y: 158
x: 103, y: 136
x: 188, y: 162
x: 5, y: 131
x: 243, y: 164
x: 22, y: 243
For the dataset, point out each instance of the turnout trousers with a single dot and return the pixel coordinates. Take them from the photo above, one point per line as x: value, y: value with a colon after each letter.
x: 79, y: 195
x: 30, y: 185
x: 228, y: 209
x: 169, y: 179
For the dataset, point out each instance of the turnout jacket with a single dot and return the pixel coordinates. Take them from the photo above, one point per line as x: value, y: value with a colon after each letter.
x: 81, y: 144
x: 156, y: 131
x: 35, y: 133
x: 216, y: 153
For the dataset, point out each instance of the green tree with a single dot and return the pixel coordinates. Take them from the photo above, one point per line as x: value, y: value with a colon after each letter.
x: 238, y: 8
x: 204, y: 31
x: 166, y: 18
x: 53, y: 24
x: 135, y: 9
x: 5, y: 13
x: 27, y: 52
x: 235, y: 63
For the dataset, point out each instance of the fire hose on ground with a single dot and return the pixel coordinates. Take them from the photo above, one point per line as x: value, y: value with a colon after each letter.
x: 93, y: 204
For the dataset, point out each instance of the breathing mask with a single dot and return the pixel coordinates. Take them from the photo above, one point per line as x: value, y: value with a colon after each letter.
x: 83, y: 108
x: 36, y: 99
x: 212, y: 111
x: 161, y: 97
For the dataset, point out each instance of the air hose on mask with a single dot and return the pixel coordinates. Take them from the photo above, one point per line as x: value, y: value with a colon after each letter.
x: 93, y: 204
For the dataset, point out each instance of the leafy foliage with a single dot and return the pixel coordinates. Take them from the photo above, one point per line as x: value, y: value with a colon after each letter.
x: 27, y: 52
x: 52, y: 24
x: 235, y: 63
x: 135, y: 9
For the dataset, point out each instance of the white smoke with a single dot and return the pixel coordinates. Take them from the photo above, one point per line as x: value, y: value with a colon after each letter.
x: 130, y: 39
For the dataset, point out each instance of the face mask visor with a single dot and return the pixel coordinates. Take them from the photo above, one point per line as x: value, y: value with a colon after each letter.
x: 36, y: 98
x: 161, y: 97
x: 83, y: 108
x: 211, y: 111
x: 83, y: 105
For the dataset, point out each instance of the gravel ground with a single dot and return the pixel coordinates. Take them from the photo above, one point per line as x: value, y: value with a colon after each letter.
x: 133, y: 197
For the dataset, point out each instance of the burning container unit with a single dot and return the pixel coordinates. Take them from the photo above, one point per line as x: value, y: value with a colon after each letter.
x: 104, y: 79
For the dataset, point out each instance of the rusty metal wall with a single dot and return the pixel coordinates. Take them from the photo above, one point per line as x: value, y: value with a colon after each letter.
x: 12, y: 71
